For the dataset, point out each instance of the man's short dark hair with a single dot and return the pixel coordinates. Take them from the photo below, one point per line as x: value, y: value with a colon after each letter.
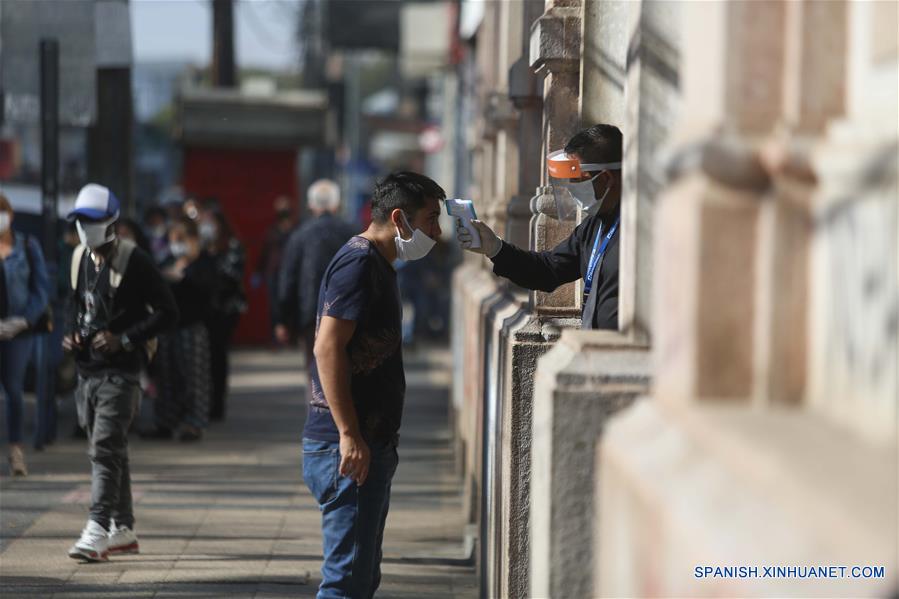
x: 404, y: 190
x: 597, y: 144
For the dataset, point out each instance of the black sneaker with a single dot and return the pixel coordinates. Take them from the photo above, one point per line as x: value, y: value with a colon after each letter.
x: 190, y: 435
x: 157, y: 434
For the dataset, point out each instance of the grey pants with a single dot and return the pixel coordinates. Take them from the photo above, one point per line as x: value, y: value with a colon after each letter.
x: 106, y: 406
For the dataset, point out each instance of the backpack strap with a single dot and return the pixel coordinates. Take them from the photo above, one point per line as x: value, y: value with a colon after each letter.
x: 117, y: 268
x: 77, y: 255
x: 119, y: 262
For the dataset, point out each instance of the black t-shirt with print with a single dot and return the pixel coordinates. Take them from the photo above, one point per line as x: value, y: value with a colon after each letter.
x: 361, y: 286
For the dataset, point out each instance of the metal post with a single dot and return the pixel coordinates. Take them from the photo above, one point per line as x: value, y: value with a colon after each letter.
x: 224, y: 64
x: 49, y: 143
x: 45, y: 428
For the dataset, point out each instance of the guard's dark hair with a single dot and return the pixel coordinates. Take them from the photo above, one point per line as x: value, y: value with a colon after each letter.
x: 404, y: 190
x: 597, y: 144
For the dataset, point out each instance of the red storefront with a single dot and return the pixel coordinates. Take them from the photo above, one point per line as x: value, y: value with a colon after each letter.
x: 244, y: 151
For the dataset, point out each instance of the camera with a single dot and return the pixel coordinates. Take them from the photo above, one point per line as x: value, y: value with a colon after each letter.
x: 86, y: 332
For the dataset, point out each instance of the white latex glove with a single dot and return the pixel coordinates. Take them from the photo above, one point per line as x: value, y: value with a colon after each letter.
x: 490, y: 243
x: 11, y: 327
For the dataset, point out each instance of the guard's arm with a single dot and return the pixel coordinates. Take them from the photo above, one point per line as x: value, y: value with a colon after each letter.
x: 543, y: 271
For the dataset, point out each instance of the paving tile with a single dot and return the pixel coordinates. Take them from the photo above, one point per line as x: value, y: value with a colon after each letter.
x: 231, y: 517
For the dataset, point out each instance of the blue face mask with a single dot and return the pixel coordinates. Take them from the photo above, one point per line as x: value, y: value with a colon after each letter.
x: 415, y: 248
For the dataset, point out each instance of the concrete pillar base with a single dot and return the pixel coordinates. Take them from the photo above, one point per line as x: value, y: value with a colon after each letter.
x: 719, y: 485
x: 587, y: 377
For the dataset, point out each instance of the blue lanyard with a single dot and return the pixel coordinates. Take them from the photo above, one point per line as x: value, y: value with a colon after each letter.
x: 595, y: 255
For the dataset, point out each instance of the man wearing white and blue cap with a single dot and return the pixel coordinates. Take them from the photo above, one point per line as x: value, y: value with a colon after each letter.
x: 120, y: 304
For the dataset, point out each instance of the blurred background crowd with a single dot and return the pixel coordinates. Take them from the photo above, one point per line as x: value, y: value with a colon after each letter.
x: 209, y: 120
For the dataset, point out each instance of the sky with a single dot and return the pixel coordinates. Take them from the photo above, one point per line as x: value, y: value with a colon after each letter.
x: 165, y: 30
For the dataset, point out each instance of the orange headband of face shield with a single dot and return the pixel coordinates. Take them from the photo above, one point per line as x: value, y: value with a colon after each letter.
x: 564, y: 166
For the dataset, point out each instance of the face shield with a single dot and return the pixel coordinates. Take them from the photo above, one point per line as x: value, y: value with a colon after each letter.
x: 572, y: 183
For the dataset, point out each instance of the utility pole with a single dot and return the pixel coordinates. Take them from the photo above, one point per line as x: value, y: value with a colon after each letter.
x: 112, y: 135
x: 110, y: 142
x: 224, y: 70
x: 45, y: 429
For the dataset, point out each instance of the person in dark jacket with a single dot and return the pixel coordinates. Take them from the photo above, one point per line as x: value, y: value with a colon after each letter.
x: 183, y: 365
x: 588, y: 171
x: 307, y: 254
x: 269, y: 264
x: 229, y: 299
x: 121, y: 303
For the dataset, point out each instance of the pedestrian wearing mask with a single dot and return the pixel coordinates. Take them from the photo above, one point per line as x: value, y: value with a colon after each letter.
x: 157, y: 233
x: 121, y: 303
x: 24, y: 294
x: 586, y: 178
x: 358, y: 383
x: 309, y: 250
x: 185, y: 380
x: 229, y: 300
x: 271, y: 257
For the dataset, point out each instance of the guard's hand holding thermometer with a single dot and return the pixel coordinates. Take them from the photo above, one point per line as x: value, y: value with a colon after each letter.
x: 473, y: 235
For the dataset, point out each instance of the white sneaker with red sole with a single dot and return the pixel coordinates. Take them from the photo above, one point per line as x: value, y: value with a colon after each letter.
x: 122, y: 540
x: 93, y: 546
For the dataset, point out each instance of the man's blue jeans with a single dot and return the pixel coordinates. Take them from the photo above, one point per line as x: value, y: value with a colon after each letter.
x: 353, y: 518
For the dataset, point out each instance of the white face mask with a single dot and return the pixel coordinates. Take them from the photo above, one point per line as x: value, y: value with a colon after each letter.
x: 415, y: 248
x: 583, y: 191
x: 93, y: 235
x: 4, y: 222
x: 178, y: 249
x: 208, y: 231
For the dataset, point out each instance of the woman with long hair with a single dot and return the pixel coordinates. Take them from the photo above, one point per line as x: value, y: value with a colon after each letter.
x: 183, y: 366
x: 24, y: 294
x: 229, y: 300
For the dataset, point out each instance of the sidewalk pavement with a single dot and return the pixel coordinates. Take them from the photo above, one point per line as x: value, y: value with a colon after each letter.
x: 230, y: 516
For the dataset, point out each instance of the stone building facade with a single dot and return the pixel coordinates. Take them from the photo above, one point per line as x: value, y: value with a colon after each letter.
x: 745, y: 411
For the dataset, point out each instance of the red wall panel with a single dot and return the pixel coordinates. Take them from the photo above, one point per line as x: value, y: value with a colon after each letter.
x: 246, y: 182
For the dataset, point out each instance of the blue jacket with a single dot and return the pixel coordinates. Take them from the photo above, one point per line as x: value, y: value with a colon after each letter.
x: 27, y: 283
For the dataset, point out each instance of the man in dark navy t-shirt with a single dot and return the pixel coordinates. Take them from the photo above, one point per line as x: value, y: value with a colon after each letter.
x: 358, y: 384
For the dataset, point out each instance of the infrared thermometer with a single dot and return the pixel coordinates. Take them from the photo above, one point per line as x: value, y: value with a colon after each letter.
x: 464, y: 211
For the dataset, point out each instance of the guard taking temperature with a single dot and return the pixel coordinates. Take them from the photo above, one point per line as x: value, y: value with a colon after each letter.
x: 586, y: 175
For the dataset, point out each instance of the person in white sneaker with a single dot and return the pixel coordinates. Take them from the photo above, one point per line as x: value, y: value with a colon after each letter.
x: 122, y: 540
x: 121, y: 303
x: 93, y: 546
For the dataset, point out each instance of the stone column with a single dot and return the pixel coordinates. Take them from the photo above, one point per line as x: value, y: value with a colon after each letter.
x: 707, y: 220
x: 587, y: 377
x: 651, y: 103
x: 555, y: 47
x: 854, y: 342
x: 767, y: 174
x: 629, y: 80
x: 526, y: 94
x: 522, y: 336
